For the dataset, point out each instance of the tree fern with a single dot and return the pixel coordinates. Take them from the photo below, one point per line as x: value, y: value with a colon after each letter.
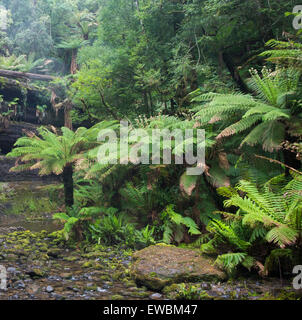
x: 265, y: 115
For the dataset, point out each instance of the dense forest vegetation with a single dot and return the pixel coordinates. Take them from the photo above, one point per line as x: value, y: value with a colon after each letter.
x: 230, y: 67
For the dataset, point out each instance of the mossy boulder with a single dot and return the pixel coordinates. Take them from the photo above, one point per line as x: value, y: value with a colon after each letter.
x: 160, y: 266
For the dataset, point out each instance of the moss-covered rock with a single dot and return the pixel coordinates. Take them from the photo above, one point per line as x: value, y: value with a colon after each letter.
x: 159, y: 266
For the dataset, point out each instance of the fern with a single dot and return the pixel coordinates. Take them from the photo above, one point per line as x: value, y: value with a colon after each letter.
x: 230, y: 261
x: 174, y: 223
x: 265, y: 116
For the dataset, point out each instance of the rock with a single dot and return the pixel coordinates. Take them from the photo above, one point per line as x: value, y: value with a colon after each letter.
x: 49, y: 289
x: 54, y: 252
x: 37, y: 273
x: 32, y: 289
x: 155, y: 296
x: 11, y: 257
x: 126, y: 263
x: 66, y: 275
x: 54, y: 278
x: 205, y: 286
x: 160, y: 265
x: 11, y: 270
x: 19, y: 285
x: 57, y: 296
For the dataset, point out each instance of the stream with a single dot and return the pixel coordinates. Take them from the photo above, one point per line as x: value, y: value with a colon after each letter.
x: 41, y: 267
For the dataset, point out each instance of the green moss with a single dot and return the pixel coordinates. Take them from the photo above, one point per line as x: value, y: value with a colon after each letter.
x: 105, y: 277
x: 91, y: 288
x: 88, y: 264
x: 117, y: 297
x: 117, y: 275
x: 70, y: 258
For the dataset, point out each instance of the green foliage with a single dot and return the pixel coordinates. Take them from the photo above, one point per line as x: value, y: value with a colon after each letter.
x: 230, y: 261
x: 75, y: 220
x: 283, y: 53
x: 52, y: 152
x: 189, y: 292
x: 266, y: 116
x: 116, y: 229
x: 174, y: 225
x: 271, y: 213
x: 155, y: 64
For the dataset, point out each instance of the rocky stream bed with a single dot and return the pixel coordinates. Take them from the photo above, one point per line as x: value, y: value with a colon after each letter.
x: 41, y: 265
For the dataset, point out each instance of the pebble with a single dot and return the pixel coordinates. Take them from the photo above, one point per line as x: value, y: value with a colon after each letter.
x: 126, y: 262
x: 19, y: 285
x: 11, y: 270
x: 49, y: 289
x: 205, y: 286
x: 54, y: 278
x: 155, y: 296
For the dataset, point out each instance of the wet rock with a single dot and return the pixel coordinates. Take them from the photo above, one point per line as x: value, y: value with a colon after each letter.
x: 107, y: 285
x: 36, y: 273
x: 89, y: 284
x: 126, y: 262
x: 66, y: 275
x: 32, y: 289
x: 11, y: 270
x: 155, y: 296
x: 57, y: 296
x: 49, y: 289
x: 161, y: 265
x: 54, y: 252
x: 205, y: 286
x: 54, y: 278
x: 19, y: 285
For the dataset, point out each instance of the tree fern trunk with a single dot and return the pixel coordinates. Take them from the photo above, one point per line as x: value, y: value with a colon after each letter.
x: 73, y: 65
x: 68, y: 185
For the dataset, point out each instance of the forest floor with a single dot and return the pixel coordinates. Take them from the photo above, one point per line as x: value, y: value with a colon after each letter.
x: 41, y: 265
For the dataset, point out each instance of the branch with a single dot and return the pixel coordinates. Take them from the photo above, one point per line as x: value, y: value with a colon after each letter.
x: 278, y: 162
x: 92, y: 116
x: 109, y: 109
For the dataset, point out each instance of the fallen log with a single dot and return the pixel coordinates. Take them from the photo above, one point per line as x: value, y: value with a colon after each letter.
x: 24, y: 75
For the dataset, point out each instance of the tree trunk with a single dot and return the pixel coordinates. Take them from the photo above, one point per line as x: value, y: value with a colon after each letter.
x: 73, y: 65
x: 234, y: 72
x: 68, y: 185
x: 67, y: 115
